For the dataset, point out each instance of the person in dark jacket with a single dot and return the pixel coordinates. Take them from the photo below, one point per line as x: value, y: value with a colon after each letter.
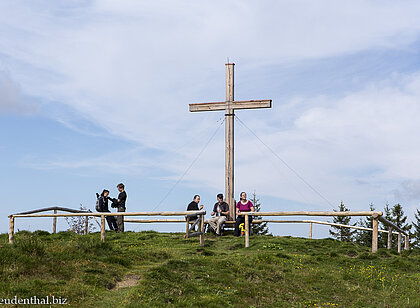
x: 119, y: 203
x: 220, y: 213
x: 193, y: 206
x: 103, y: 207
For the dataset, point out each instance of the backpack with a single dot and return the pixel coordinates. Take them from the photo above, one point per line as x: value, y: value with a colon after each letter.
x: 97, y: 203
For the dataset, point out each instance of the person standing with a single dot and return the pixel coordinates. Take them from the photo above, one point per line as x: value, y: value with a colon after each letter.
x: 120, y: 205
x: 220, y: 213
x: 103, y: 207
x: 243, y: 205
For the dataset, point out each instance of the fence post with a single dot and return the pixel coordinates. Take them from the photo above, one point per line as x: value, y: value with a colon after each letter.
x: 187, y: 233
x: 102, y: 228
x: 86, y: 224
x: 202, y: 230
x: 375, y: 234
x: 399, y: 242
x: 407, y: 242
x: 12, y: 230
x: 55, y: 223
x: 389, y: 238
x: 310, y: 230
x: 246, y: 230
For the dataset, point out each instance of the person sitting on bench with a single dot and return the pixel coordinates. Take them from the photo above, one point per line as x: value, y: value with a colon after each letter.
x: 243, y: 205
x: 193, y: 206
x: 221, y: 213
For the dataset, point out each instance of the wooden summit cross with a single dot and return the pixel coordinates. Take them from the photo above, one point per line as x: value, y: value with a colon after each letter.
x: 229, y: 106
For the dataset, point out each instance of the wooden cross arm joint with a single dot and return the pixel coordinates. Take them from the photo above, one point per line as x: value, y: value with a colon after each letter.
x: 217, y: 106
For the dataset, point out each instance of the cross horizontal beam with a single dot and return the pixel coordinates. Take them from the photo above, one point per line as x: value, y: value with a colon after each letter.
x: 216, y: 106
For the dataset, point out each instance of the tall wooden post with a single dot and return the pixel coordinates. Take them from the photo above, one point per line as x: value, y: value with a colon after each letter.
x: 55, y: 223
x: 407, y: 243
x: 229, y: 140
x: 310, y: 230
x: 229, y: 106
x: 246, y: 230
x: 375, y: 234
x: 399, y: 242
x: 102, y: 228
x: 11, y: 230
x: 389, y: 238
x: 202, y: 230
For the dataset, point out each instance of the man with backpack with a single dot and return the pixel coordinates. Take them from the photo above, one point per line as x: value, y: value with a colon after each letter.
x: 102, y: 206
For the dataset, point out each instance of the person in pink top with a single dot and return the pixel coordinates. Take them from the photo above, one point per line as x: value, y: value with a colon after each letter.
x: 243, y: 205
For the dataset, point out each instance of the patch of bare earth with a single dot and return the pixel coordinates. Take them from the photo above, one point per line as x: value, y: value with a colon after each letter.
x: 127, y: 281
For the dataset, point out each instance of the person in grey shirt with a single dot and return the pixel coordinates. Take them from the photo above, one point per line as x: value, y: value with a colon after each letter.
x: 220, y: 213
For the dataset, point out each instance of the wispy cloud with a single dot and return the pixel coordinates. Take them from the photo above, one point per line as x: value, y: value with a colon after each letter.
x: 11, y: 97
x: 131, y: 69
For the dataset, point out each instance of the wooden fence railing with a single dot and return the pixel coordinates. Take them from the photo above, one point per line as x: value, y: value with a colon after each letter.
x: 375, y: 217
x: 201, y: 215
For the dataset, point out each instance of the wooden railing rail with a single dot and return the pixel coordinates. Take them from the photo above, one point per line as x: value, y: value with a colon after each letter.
x: 201, y: 214
x: 376, y: 216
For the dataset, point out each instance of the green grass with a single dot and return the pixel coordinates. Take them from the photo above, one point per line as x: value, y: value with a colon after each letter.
x: 272, y: 272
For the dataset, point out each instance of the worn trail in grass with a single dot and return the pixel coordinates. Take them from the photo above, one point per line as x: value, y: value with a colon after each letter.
x: 170, y: 271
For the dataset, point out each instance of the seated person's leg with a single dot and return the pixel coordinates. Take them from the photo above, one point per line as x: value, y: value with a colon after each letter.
x: 212, y: 223
x: 220, y: 222
x: 239, y: 220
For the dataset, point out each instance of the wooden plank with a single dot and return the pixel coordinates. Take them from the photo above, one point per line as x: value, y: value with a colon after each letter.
x: 315, y: 213
x: 195, y: 234
x: 389, y: 223
x: 389, y: 243
x: 202, y: 230
x: 251, y: 104
x: 153, y: 220
x: 399, y: 242
x: 375, y: 235
x: 246, y: 231
x: 188, y: 227
x: 57, y: 208
x: 214, y: 106
x: 55, y: 223
x: 86, y: 225
x: 230, y: 141
x: 11, y: 230
x: 103, y: 228
x: 407, y: 243
x: 310, y: 230
x: 235, y: 105
x: 116, y: 214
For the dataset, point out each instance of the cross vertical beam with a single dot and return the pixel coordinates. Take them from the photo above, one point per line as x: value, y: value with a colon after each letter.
x: 229, y: 107
x: 229, y: 140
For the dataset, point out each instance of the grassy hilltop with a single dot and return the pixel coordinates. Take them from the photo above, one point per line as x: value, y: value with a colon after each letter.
x: 149, y: 269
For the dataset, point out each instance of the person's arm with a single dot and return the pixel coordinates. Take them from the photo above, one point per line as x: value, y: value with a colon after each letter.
x: 237, y: 209
x: 251, y: 206
x: 121, y: 197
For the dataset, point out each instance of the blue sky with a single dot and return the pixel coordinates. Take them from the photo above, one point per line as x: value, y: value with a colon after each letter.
x: 93, y: 93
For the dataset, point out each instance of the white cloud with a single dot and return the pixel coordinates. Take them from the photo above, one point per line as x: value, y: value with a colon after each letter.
x: 132, y: 68
x: 11, y: 98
